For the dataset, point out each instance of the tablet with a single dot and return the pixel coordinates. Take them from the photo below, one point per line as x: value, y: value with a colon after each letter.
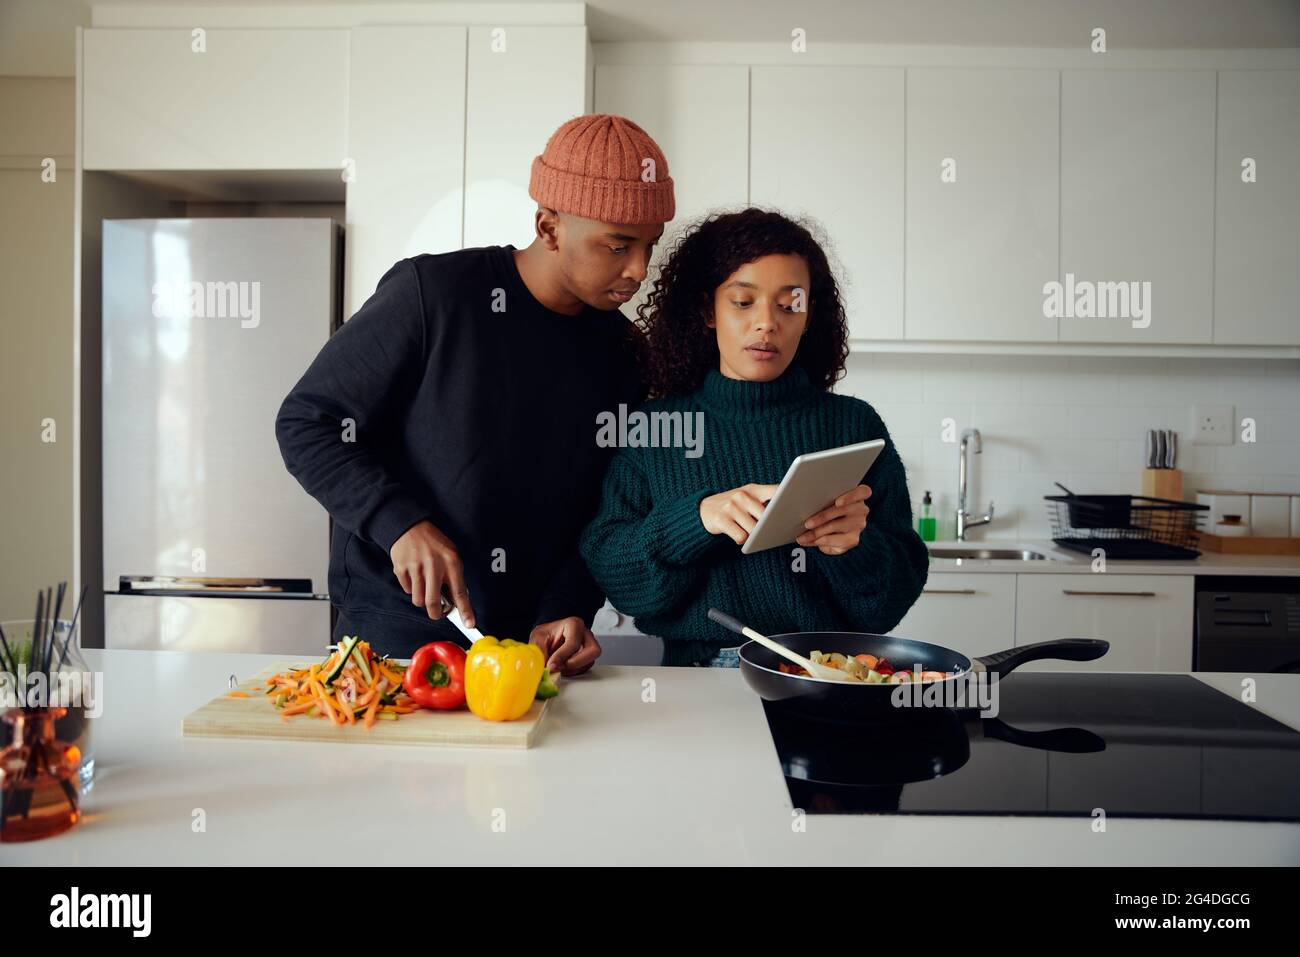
x: 811, y: 483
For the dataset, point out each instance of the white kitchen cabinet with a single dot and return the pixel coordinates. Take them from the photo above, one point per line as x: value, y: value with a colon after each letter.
x: 1148, y: 619
x: 972, y: 613
x: 982, y: 185
x: 253, y: 99
x: 699, y: 116
x: 1137, y: 199
x: 1257, y: 224
x: 523, y: 82
x: 406, y: 144
x: 827, y: 142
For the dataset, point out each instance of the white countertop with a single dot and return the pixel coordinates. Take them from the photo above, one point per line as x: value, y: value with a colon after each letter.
x: 1064, y: 562
x: 691, y: 778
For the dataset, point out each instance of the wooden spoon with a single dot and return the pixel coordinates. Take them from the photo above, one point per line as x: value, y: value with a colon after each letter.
x: 815, y: 670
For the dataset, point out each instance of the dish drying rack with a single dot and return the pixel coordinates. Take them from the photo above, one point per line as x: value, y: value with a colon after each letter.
x: 1126, y: 526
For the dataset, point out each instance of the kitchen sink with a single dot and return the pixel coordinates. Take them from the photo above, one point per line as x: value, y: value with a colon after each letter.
x: 1012, y: 554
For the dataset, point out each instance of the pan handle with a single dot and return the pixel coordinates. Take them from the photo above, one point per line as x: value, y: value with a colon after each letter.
x: 1002, y: 663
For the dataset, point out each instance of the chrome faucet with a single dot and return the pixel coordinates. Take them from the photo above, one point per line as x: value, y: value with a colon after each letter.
x: 970, y: 438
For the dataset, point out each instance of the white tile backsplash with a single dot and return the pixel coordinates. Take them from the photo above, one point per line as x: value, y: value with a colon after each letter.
x: 1079, y: 420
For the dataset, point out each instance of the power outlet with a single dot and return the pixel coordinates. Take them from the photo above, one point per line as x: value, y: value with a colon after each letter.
x: 1212, y: 424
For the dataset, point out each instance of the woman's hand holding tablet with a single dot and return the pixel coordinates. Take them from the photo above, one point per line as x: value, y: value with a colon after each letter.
x: 736, y: 512
x: 836, y: 529
x: 758, y: 517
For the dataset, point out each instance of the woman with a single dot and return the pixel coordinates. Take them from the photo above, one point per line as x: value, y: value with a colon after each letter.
x: 745, y: 325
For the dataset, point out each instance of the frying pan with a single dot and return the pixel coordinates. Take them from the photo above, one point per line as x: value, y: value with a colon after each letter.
x: 816, y: 696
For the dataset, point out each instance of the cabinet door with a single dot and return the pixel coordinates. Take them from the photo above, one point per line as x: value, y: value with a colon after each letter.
x: 827, y: 142
x: 974, y: 614
x: 1146, y: 618
x: 406, y: 142
x: 1137, y: 201
x: 1257, y: 224
x: 699, y: 116
x: 523, y: 82
x: 251, y: 99
x: 982, y: 201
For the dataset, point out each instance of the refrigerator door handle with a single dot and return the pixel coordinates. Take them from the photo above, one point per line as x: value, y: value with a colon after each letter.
x: 199, y: 587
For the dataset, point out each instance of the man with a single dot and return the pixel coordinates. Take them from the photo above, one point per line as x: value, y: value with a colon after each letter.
x: 450, y: 426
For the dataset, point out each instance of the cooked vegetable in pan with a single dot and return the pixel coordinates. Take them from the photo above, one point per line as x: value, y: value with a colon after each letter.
x: 865, y: 668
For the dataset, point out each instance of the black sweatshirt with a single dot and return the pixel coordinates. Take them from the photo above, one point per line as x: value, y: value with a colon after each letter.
x: 475, y: 408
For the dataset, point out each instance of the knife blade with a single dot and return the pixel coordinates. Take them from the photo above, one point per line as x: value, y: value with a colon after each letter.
x: 473, y: 634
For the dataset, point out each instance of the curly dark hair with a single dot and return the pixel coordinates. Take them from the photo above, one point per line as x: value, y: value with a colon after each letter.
x: 678, y: 349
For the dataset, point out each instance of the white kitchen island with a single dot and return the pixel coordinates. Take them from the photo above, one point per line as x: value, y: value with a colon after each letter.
x: 691, y: 777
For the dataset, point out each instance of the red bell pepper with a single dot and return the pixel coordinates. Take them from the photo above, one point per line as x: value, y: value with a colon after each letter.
x: 436, y: 676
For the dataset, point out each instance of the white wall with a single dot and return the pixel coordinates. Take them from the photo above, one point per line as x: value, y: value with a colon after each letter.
x: 1079, y: 420
x: 36, y: 259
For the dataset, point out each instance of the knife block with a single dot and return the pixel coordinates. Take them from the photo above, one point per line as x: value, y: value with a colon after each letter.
x: 1163, y: 483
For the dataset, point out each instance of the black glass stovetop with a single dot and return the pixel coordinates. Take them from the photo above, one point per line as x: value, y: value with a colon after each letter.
x: 1164, y: 746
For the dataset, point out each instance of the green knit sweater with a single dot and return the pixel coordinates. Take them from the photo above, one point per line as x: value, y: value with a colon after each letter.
x: 649, y: 551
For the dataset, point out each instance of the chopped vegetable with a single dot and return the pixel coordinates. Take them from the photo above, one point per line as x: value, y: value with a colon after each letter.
x: 548, y: 688
x: 865, y: 668
x: 353, y: 682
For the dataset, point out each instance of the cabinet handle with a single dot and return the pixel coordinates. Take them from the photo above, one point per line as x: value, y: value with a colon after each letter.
x: 1126, y: 594
x: 948, y: 591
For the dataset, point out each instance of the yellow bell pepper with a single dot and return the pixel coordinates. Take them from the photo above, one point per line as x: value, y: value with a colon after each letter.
x: 501, y: 678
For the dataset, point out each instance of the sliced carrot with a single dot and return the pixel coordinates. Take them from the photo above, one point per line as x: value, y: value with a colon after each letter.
x: 366, y: 698
x: 238, y: 694
x: 326, y: 703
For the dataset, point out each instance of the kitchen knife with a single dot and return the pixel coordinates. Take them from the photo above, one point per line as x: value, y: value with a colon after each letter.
x: 1160, y: 448
x: 473, y: 634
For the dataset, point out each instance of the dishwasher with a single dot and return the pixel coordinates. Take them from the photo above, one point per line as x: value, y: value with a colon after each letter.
x: 1247, y: 623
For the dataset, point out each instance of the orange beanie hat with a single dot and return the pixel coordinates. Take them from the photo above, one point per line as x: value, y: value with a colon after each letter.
x: 595, y: 166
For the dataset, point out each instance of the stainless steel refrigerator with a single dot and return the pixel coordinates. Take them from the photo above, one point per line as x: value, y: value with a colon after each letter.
x: 209, y: 543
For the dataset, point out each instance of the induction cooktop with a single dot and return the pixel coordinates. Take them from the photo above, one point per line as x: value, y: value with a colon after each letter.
x: 1062, y: 744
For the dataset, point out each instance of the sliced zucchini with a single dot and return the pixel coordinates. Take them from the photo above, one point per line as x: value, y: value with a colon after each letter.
x: 360, y: 659
x: 346, y: 647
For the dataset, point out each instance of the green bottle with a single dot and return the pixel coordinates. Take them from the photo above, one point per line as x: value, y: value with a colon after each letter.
x: 925, y: 524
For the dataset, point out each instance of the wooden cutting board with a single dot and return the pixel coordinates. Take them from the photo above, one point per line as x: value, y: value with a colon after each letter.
x: 256, y: 717
x: 1249, y: 545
